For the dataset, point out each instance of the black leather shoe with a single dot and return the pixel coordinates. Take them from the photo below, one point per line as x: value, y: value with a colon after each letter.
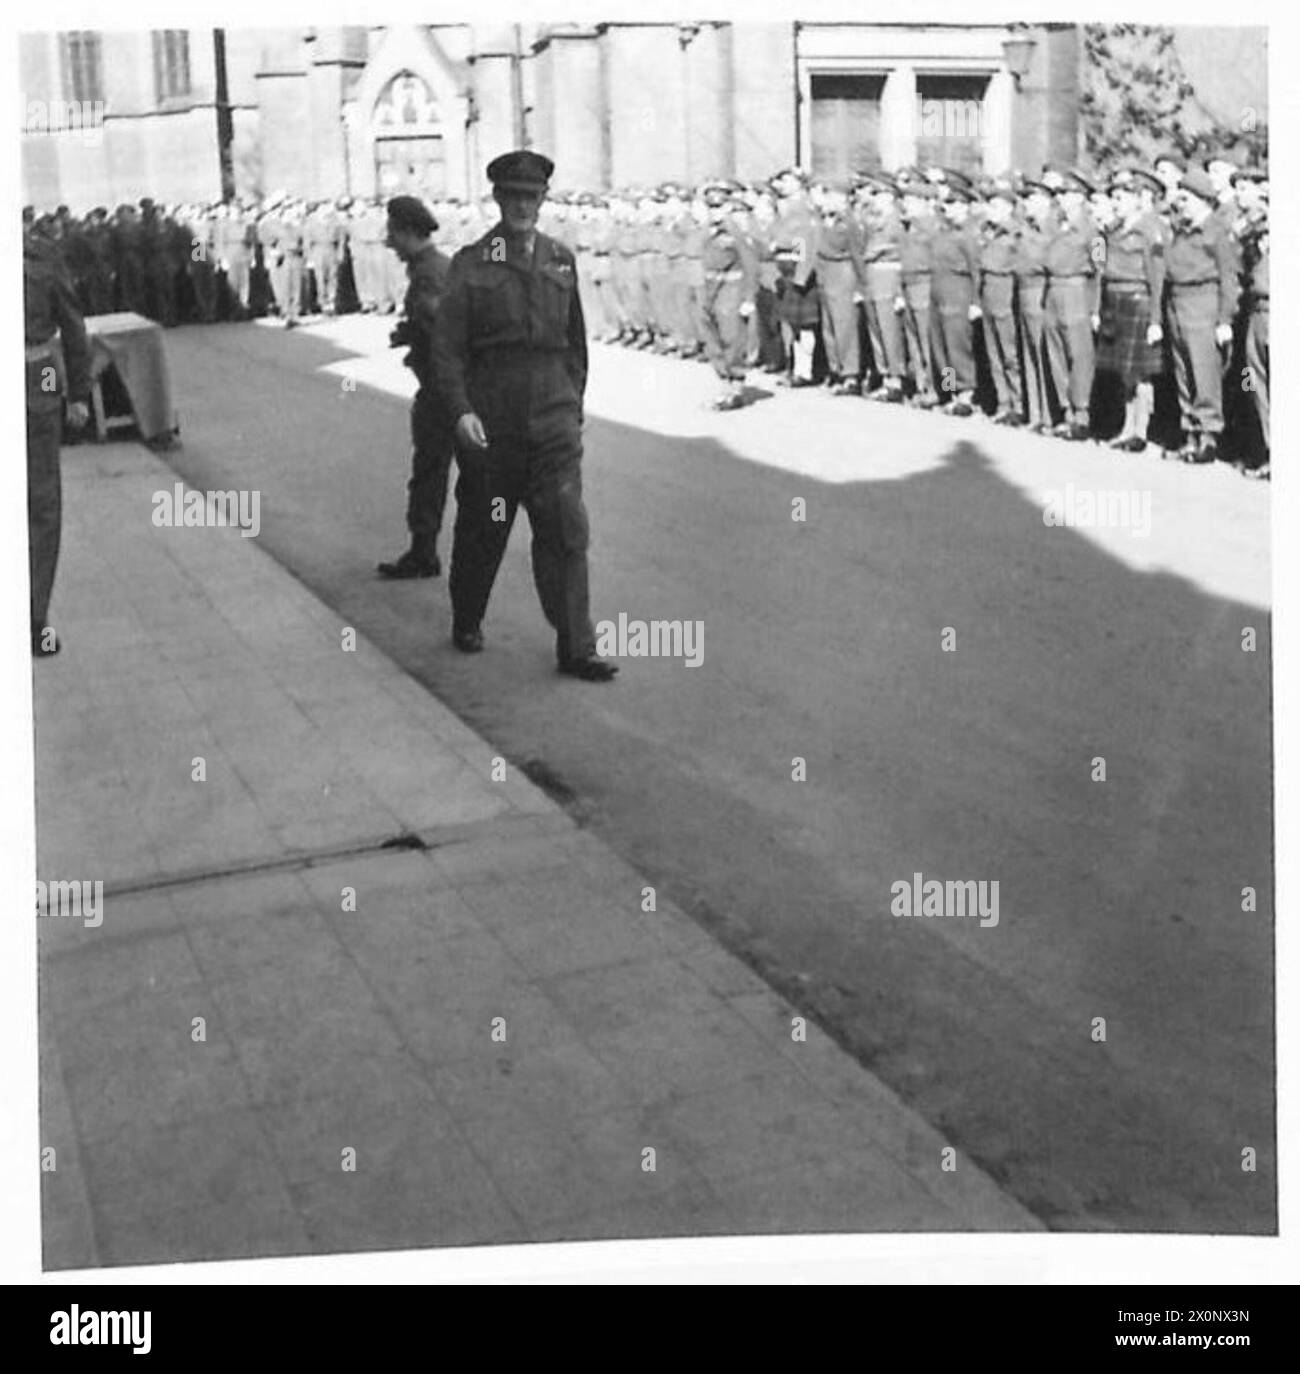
x: 468, y: 641
x: 590, y: 669
x: 1207, y: 451
x: 408, y: 565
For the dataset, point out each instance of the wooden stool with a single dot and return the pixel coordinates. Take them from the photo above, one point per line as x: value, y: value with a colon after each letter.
x: 104, y: 422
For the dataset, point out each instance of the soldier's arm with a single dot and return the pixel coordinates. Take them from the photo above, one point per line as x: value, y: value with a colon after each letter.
x: 1155, y: 269
x: 1226, y: 256
x: 72, y: 332
x: 451, y: 343
x: 576, y: 356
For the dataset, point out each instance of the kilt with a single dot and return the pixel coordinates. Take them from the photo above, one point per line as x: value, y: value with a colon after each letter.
x: 798, y: 307
x: 1122, y: 346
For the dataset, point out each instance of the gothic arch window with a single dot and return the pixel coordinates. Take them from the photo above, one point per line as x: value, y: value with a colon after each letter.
x: 410, y: 152
x: 406, y: 108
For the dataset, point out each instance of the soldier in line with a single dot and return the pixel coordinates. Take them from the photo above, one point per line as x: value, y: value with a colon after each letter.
x: 954, y: 270
x: 841, y: 274
x: 1133, y: 280
x: 510, y: 364
x: 1038, y: 213
x: 795, y: 233
x: 730, y: 270
x: 1201, y: 268
x: 1072, y: 304
x: 1252, y: 192
x: 997, y: 301
x: 410, y: 226
x: 50, y: 308
x: 914, y: 303
x: 882, y: 286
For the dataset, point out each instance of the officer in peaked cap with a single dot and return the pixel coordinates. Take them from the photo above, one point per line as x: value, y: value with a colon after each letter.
x: 510, y: 365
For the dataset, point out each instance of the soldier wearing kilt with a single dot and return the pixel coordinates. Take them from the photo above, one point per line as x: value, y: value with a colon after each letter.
x: 1253, y: 195
x: 1132, y: 285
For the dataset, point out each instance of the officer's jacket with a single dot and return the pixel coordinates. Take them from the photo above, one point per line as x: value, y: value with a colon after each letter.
x: 914, y: 247
x: 1072, y: 250
x: 1136, y: 253
x: 728, y: 255
x: 997, y: 251
x: 1030, y: 258
x: 1205, y: 254
x: 501, y: 312
x: 953, y: 253
x: 50, y: 307
x: 884, y: 234
x: 842, y: 240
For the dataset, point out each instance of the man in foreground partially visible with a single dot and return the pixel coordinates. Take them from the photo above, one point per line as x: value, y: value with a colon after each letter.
x: 50, y: 308
x: 510, y: 363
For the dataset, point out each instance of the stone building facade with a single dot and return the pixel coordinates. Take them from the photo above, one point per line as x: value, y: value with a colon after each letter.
x: 320, y: 112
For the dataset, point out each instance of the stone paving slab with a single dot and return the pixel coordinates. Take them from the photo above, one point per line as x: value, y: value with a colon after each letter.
x: 495, y: 1026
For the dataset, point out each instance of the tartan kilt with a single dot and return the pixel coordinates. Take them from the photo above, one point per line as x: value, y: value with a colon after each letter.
x: 1122, y: 346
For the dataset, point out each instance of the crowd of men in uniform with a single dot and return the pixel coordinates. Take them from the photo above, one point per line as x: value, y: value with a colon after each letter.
x: 1055, y: 302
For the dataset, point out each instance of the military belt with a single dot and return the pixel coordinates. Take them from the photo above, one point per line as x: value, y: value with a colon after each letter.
x: 735, y: 275
x: 1183, y: 285
x: 1067, y: 276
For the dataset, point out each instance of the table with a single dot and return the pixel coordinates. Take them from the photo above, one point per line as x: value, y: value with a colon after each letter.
x: 134, y: 346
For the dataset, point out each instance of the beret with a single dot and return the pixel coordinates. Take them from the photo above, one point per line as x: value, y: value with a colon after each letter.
x: 406, y: 212
x: 522, y: 168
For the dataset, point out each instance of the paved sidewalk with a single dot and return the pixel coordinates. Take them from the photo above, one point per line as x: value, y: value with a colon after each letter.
x: 326, y: 1029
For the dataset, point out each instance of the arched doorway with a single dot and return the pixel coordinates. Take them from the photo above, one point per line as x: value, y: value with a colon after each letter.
x: 410, y: 151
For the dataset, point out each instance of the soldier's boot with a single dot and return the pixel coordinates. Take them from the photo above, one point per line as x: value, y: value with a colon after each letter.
x: 413, y: 563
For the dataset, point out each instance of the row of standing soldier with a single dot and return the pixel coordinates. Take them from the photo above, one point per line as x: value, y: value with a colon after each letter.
x: 1050, y: 302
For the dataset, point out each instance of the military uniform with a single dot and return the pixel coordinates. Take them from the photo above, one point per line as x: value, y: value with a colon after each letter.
x: 432, y: 429
x: 1030, y: 265
x: 50, y: 308
x: 730, y: 270
x: 510, y: 346
x: 841, y: 274
x: 914, y: 269
x: 954, y: 269
x: 1254, y: 243
x: 1073, y: 298
x: 997, y: 297
x: 1201, y: 271
x: 882, y: 288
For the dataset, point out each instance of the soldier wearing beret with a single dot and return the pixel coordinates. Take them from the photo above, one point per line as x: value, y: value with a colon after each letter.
x: 841, y: 273
x: 510, y: 363
x: 1072, y: 304
x: 1201, y: 301
x: 730, y: 267
x: 997, y: 298
x: 914, y: 301
x: 883, y: 285
x: 409, y: 235
x: 50, y: 308
x: 1038, y: 214
x: 954, y: 269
